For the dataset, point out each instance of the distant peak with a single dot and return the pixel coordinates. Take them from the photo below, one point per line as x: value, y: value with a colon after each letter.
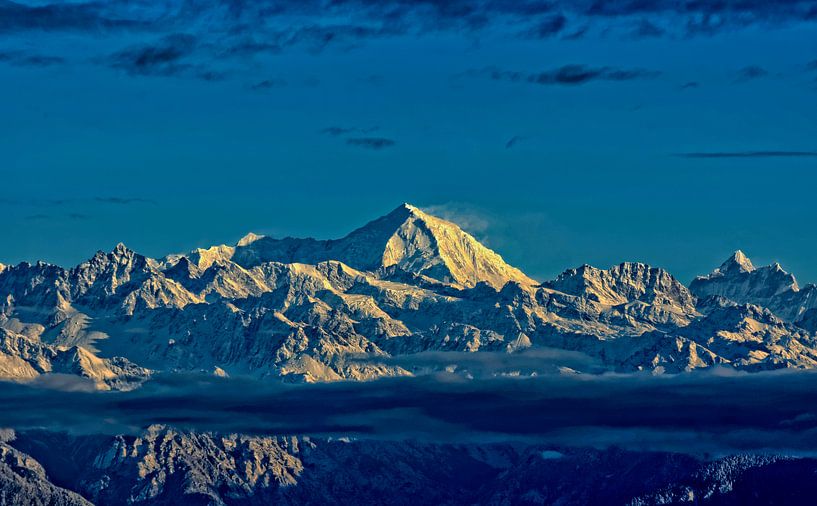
x: 738, y: 262
x: 249, y: 239
x: 120, y: 249
x: 405, y: 209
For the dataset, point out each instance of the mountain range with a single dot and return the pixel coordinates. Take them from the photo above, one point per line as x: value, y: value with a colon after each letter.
x: 307, y: 310
x: 404, y: 283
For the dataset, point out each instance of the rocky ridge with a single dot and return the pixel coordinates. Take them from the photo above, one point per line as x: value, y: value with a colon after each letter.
x: 308, y: 310
x: 405, y: 283
x: 163, y: 466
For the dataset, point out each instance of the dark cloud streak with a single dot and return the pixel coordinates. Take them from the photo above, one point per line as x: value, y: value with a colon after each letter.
x: 749, y: 154
x: 567, y: 75
x: 267, y: 84
x: 171, y: 56
x: 373, y: 143
x: 513, y: 141
x: 124, y: 200
x: 751, y: 72
x: 290, y: 22
x: 549, y: 26
x: 62, y: 16
x: 339, y: 131
x: 23, y: 59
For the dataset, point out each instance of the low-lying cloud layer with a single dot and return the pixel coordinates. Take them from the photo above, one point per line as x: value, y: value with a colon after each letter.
x: 716, y: 411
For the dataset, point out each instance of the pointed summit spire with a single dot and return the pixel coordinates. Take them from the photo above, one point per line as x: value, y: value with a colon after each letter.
x: 121, y: 251
x: 401, y: 212
x: 406, y: 238
x: 738, y: 262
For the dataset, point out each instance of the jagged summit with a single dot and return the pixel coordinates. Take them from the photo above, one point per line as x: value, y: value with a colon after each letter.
x: 769, y: 286
x: 295, y: 308
x: 771, y: 279
x: 407, y: 237
x: 624, y: 283
x: 120, y: 248
x: 738, y: 262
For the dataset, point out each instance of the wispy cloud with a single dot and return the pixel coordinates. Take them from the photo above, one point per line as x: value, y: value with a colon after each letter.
x: 748, y: 154
x: 339, y: 131
x: 38, y: 202
x: 169, y: 56
x: 237, y: 28
x: 567, y: 75
x: 37, y: 217
x: 513, y: 141
x: 549, y: 26
x: 21, y: 58
x: 751, y: 72
x: 472, y: 220
x: 60, y: 16
x: 374, y: 143
x: 124, y: 200
x: 645, y: 29
x: 49, y: 217
x: 268, y: 84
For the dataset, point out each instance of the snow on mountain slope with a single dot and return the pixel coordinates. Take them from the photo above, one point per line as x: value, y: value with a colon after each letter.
x: 407, y: 237
x: 24, y: 359
x: 352, y: 308
x: 623, y: 283
x: 402, y: 284
x: 770, y: 286
x: 125, y: 280
x: 744, y: 336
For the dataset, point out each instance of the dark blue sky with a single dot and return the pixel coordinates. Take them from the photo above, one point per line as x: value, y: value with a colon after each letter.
x: 560, y: 133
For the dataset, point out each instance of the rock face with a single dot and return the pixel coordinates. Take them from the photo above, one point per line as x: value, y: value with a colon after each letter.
x: 25, y: 359
x: 406, y: 238
x: 306, y: 310
x: 163, y: 466
x: 407, y: 282
x: 23, y: 482
x: 770, y: 286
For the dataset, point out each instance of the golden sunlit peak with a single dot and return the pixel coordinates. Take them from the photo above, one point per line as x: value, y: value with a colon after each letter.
x: 249, y: 239
x: 408, y: 207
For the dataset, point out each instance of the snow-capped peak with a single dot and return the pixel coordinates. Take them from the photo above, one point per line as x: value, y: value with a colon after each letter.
x: 769, y: 286
x: 624, y: 283
x: 425, y: 244
x: 738, y: 262
x: 407, y: 237
x: 249, y: 239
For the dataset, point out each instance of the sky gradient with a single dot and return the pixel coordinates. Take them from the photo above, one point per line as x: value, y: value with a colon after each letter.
x: 559, y: 133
